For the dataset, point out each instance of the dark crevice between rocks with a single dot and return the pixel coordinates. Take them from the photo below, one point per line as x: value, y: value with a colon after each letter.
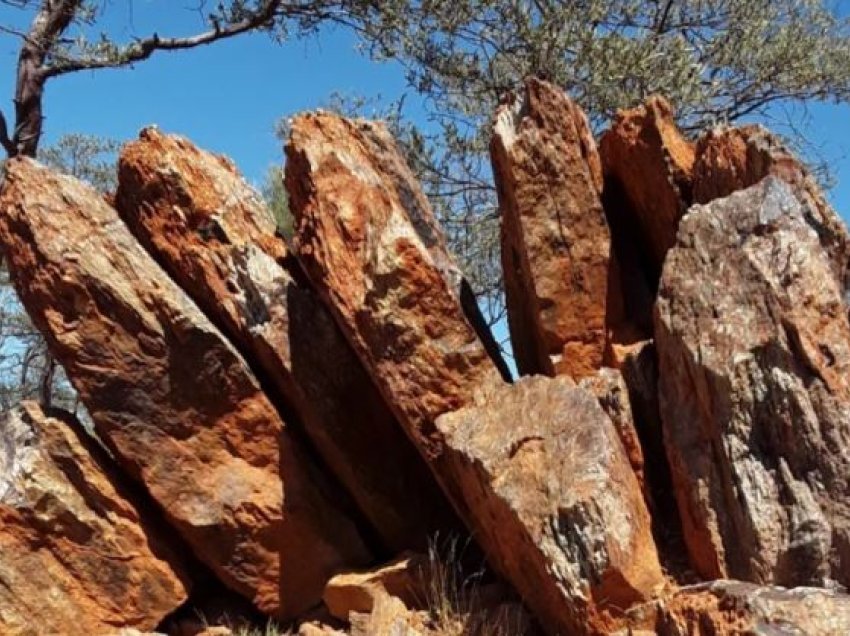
x: 469, y: 305
x: 635, y: 276
x: 640, y: 373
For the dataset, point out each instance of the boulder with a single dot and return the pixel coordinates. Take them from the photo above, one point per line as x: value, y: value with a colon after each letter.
x: 174, y: 402
x: 555, y: 240
x: 728, y: 607
x: 215, y: 236
x: 649, y: 164
x: 753, y: 344
x: 404, y: 578
x: 730, y: 159
x: 76, y: 556
x: 368, y: 240
x: 556, y: 505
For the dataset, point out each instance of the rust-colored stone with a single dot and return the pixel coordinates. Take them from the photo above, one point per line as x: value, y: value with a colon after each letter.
x: 555, y: 240
x: 556, y: 503
x: 215, y: 236
x: 170, y: 397
x: 367, y: 239
x: 648, y: 161
x: 75, y: 555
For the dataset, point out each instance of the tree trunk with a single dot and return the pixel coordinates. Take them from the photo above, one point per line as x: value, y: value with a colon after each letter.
x: 29, y: 92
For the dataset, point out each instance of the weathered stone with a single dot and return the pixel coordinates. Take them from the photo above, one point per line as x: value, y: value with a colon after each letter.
x: 555, y: 240
x: 556, y: 505
x: 369, y: 242
x: 173, y: 401
x: 649, y: 163
x: 405, y: 579
x: 610, y: 389
x: 390, y: 616
x: 75, y: 556
x: 215, y: 236
x: 730, y: 159
x: 730, y: 608
x: 754, y: 352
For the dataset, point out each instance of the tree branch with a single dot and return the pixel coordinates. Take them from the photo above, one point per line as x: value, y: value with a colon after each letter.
x: 144, y: 48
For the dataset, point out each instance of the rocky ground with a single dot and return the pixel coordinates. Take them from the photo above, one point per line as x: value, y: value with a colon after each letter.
x: 285, y: 432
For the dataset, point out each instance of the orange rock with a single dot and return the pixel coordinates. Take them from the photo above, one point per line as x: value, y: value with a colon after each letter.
x: 216, y: 238
x: 171, y: 398
x: 647, y: 160
x: 404, y: 578
x: 556, y: 505
x: 75, y: 556
x: 368, y: 240
x: 730, y: 159
x: 555, y: 240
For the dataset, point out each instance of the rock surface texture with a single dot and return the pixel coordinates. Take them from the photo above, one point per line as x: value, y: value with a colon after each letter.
x: 556, y: 504
x: 369, y: 242
x: 650, y: 164
x: 754, y: 356
x: 173, y: 401
x: 75, y: 556
x: 730, y: 159
x: 215, y: 236
x: 733, y: 608
x: 555, y: 240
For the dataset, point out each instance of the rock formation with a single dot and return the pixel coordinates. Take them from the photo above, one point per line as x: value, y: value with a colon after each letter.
x: 554, y: 501
x: 75, y: 554
x: 170, y: 397
x: 754, y: 354
x: 555, y: 240
x: 216, y: 238
x: 288, y: 423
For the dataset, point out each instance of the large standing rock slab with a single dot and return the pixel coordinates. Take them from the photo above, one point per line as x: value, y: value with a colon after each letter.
x: 555, y: 240
x: 721, y: 608
x: 754, y: 352
x: 368, y: 240
x: 650, y: 164
x: 216, y: 238
x: 730, y: 159
x: 75, y: 556
x: 174, y: 402
x: 557, y: 506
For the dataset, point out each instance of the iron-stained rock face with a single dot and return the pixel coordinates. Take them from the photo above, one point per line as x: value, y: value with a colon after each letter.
x: 170, y: 396
x: 554, y: 501
x: 215, y: 237
x: 368, y: 240
x: 555, y: 240
x: 754, y: 352
x: 75, y: 556
x: 645, y: 157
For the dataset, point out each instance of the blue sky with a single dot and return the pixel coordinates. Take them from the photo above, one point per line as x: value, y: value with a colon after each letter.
x: 227, y: 96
